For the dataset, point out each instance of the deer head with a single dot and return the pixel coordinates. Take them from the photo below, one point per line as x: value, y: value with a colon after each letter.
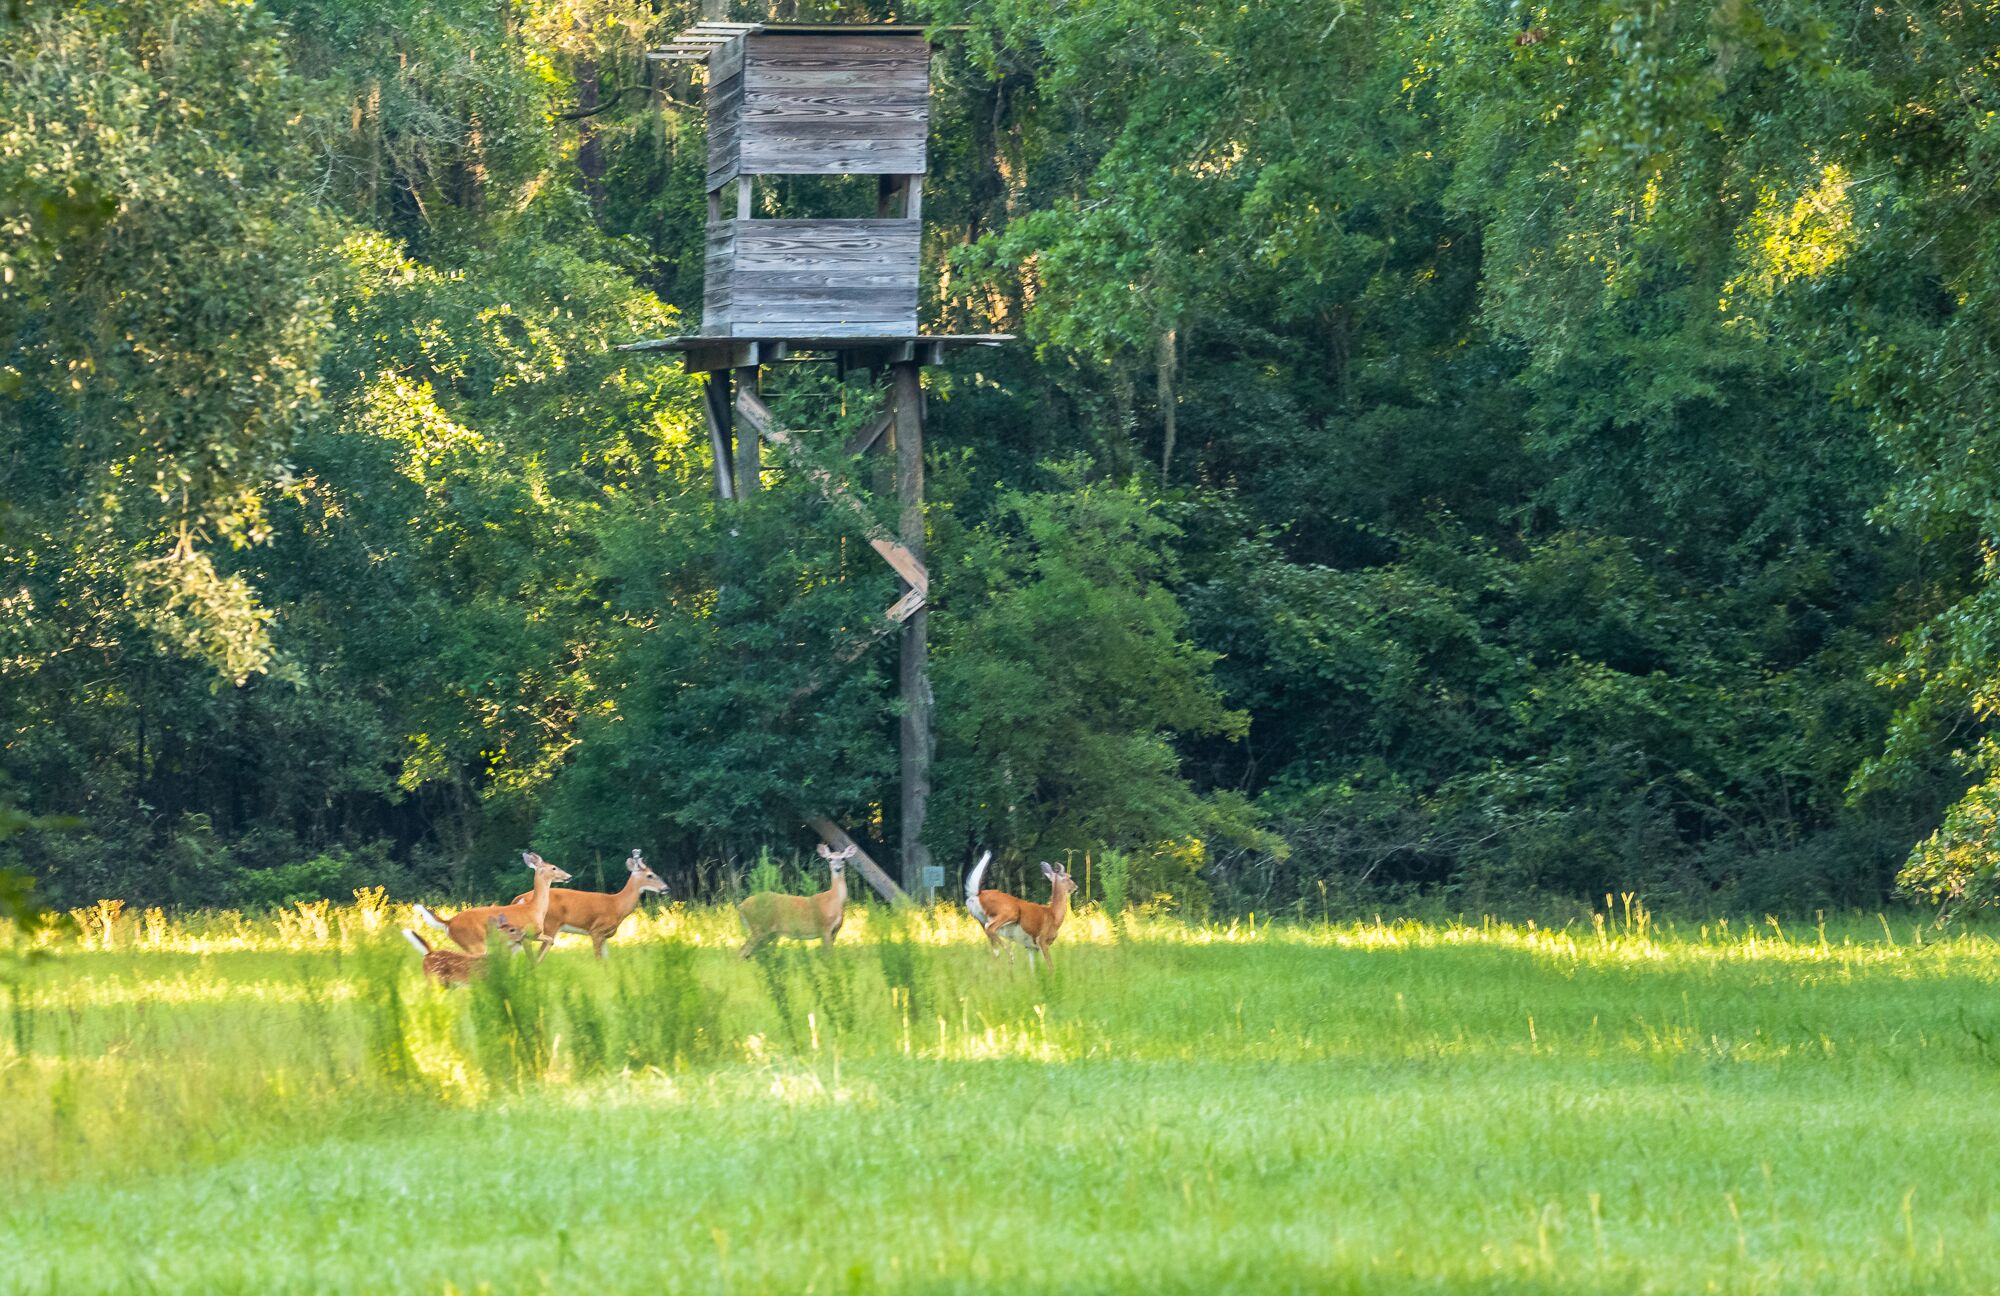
x: 836, y: 861
x: 648, y: 880
x: 542, y: 866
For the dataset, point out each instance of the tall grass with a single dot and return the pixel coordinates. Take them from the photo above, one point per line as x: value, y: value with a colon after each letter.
x: 1625, y: 1104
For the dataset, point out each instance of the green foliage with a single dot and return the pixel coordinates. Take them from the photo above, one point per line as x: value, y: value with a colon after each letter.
x: 1067, y: 674
x: 907, y: 973
x: 330, y: 875
x: 670, y: 1018
x: 389, y: 1025
x: 1530, y: 390
x: 765, y: 875
x: 159, y: 318
x: 1481, y: 451
x: 1114, y: 879
x: 511, y: 1017
x: 28, y: 921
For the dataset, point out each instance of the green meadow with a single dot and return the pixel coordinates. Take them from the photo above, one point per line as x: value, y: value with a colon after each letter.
x: 279, y: 1104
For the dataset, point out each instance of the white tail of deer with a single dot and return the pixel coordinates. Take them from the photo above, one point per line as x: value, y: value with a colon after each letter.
x: 1021, y: 921
x: 468, y: 927
x: 769, y: 915
x: 597, y: 914
x: 450, y: 967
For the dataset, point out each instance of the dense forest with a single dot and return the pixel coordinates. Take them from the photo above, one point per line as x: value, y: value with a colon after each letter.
x: 1502, y: 452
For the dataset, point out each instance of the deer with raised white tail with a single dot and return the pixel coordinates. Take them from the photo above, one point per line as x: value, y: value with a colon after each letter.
x: 771, y: 914
x: 597, y: 914
x: 468, y: 927
x: 1021, y: 921
x: 450, y: 967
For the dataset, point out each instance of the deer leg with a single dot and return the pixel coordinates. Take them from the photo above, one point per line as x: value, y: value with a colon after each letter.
x: 598, y: 941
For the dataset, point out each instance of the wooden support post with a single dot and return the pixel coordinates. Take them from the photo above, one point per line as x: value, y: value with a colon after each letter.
x: 749, y: 458
x: 717, y: 409
x: 885, y: 886
x: 907, y: 396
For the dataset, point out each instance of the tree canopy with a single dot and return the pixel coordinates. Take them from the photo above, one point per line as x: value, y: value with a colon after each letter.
x: 1513, y: 452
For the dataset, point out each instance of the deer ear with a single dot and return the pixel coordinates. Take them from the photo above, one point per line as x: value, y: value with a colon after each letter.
x: 531, y: 859
x: 634, y: 864
x: 825, y: 851
x: 1050, y: 871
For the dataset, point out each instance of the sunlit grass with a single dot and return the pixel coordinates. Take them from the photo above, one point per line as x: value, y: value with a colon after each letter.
x: 277, y: 1102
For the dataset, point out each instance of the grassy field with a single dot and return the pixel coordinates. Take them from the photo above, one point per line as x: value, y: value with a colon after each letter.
x: 276, y: 1105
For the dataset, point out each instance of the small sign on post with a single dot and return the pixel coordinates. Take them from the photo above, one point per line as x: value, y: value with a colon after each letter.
x: 934, y: 877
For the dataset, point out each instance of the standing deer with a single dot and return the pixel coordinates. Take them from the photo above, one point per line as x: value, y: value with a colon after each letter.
x: 468, y: 926
x: 1021, y: 921
x: 769, y: 914
x: 449, y: 967
x: 597, y: 914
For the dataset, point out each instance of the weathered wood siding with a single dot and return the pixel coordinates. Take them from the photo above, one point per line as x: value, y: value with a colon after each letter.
x: 725, y: 120
x: 811, y: 278
x: 819, y: 105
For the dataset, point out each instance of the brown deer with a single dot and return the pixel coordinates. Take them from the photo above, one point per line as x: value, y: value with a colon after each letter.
x: 468, y: 926
x: 597, y: 914
x: 1022, y: 921
x: 769, y: 914
x: 450, y: 967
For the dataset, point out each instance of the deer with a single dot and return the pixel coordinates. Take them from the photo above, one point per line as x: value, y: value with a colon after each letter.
x: 449, y: 967
x: 770, y: 914
x: 597, y: 914
x: 1022, y: 921
x: 468, y: 927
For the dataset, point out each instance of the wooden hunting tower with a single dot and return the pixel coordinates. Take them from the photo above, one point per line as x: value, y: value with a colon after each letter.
x: 818, y: 100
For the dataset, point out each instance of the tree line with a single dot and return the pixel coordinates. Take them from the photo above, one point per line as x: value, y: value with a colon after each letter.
x: 1505, y: 453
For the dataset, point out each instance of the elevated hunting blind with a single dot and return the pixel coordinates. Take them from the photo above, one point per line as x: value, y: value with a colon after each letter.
x: 816, y: 102
x: 834, y: 101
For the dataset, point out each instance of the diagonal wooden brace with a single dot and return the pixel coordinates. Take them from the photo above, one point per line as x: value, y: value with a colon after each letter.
x: 751, y: 410
x: 905, y: 607
x: 864, y: 440
x: 903, y: 561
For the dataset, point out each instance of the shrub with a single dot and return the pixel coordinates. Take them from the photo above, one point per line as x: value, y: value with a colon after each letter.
x: 330, y: 875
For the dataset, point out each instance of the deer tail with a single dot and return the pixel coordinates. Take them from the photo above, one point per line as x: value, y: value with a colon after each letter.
x: 424, y: 912
x: 423, y: 946
x: 972, y: 888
